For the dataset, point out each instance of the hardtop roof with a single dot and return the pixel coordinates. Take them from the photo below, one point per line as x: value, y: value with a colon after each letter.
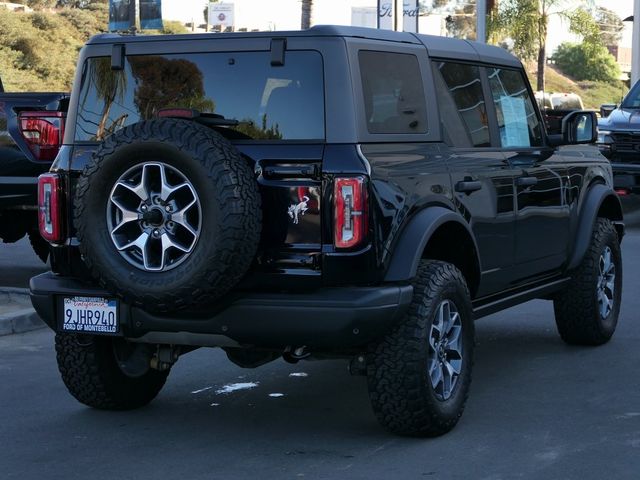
x: 437, y: 46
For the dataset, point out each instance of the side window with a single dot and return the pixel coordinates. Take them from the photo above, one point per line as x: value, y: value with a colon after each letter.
x: 393, y: 92
x: 463, y: 110
x: 517, y: 120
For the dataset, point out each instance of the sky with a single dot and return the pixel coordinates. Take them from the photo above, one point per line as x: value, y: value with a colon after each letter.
x: 285, y: 14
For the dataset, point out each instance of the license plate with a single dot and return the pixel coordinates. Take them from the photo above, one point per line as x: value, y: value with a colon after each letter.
x: 90, y: 315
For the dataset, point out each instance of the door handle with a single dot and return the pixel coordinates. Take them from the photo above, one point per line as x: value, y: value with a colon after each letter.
x: 526, y: 181
x: 468, y: 186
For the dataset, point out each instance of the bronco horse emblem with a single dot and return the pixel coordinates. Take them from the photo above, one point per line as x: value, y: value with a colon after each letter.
x: 298, y: 210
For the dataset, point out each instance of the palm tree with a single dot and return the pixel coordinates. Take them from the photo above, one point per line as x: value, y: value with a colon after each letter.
x: 307, y: 14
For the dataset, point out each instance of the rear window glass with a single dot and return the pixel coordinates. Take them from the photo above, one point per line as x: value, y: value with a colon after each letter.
x: 393, y: 93
x: 270, y: 102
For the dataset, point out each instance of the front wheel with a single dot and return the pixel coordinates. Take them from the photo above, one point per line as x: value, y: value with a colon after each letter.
x: 587, y: 310
x: 419, y: 374
x: 90, y: 370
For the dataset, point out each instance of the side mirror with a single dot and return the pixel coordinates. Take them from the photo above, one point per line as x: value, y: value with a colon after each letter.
x: 579, y: 127
x: 606, y: 109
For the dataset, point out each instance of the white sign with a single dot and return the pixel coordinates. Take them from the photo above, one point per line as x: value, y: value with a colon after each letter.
x: 515, y: 132
x: 221, y: 14
x: 410, y: 13
x: 386, y: 10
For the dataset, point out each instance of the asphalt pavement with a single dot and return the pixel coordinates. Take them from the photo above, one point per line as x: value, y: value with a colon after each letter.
x: 537, y: 409
x: 18, y: 264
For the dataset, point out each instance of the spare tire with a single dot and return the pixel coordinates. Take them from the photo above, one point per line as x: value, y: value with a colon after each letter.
x: 167, y: 214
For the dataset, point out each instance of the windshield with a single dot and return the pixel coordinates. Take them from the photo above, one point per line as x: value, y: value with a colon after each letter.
x: 632, y: 100
x: 269, y: 102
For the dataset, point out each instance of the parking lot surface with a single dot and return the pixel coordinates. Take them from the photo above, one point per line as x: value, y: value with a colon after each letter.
x: 537, y: 409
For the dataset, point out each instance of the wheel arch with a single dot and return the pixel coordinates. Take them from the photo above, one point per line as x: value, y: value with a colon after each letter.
x: 436, y: 233
x: 600, y: 202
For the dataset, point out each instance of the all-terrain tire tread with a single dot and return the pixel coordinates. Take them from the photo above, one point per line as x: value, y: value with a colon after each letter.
x: 89, y: 371
x: 397, y: 369
x: 575, y: 308
x: 240, y: 220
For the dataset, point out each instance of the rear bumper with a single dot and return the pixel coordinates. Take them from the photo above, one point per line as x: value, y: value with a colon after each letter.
x: 626, y: 176
x: 327, y: 318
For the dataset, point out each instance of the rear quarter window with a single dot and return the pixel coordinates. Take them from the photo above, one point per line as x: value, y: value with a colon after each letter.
x: 393, y: 93
x: 270, y: 102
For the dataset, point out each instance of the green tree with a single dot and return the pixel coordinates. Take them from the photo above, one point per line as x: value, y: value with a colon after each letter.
x: 584, y: 62
x: 610, y: 25
x: 527, y: 23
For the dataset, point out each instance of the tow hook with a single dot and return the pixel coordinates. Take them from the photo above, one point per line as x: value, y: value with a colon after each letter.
x: 294, y: 355
x: 164, y: 357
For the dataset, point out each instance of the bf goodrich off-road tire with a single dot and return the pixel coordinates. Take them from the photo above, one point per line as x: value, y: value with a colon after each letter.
x: 168, y: 214
x: 587, y: 310
x: 90, y: 372
x: 40, y: 245
x: 419, y: 374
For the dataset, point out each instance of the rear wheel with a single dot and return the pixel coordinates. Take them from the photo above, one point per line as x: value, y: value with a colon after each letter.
x: 587, y: 310
x: 419, y: 374
x: 40, y: 245
x: 89, y: 366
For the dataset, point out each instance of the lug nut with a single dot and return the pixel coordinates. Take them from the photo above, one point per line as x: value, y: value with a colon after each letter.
x: 167, y: 208
x: 144, y: 208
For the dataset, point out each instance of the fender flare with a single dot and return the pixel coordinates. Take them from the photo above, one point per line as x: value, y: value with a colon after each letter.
x: 595, y: 198
x: 414, y: 238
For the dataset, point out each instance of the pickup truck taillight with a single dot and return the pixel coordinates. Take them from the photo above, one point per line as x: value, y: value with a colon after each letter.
x: 43, y: 132
x: 50, y: 207
x: 350, y: 212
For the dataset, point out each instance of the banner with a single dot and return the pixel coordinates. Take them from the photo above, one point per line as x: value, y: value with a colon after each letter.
x: 151, y: 14
x: 121, y: 14
x: 410, y: 12
x: 221, y: 14
x: 386, y: 10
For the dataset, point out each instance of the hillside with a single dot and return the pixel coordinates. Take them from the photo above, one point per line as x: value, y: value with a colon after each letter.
x: 39, y: 51
x: 593, y: 94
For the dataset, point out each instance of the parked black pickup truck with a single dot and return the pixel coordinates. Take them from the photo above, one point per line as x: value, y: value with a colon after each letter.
x: 31, y: 129
x: 333, y: 193
x: 619, y: 141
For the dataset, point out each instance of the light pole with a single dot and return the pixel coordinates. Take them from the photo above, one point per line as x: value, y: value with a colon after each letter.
x: 635, y: 44
x: 481, y: 25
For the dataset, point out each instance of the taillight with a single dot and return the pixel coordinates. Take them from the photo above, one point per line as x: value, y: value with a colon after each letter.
x: 350, y: 212
x: 43, y: 132
x: 50, y: 207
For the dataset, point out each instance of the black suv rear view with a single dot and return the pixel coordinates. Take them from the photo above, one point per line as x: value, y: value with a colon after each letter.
x: 337, y: 192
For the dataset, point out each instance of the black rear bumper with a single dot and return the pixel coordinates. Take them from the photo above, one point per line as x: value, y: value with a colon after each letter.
x: 626, y: 176
x: 327, y: 318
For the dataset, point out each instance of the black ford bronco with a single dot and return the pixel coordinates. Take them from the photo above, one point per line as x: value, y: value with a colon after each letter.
x: 335, y: 192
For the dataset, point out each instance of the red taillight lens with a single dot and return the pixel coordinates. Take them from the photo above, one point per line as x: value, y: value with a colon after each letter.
x: 43, y: 132
x: 50, y: 207
x: 350, y: 212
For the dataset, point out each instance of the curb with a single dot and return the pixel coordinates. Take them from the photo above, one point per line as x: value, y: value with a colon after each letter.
x: 20, y: 316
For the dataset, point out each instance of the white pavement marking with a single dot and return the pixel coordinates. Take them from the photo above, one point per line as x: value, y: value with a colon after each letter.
x: 202, y: 390
x: 232, y: 387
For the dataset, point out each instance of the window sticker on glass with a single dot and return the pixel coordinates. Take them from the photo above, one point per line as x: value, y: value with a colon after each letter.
x: 515, y: 131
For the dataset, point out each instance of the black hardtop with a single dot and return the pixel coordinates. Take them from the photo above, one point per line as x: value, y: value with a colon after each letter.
x: 316, y: 31
x: 439, y: 47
